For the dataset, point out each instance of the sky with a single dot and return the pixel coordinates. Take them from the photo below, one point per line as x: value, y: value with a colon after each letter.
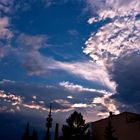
x: 81, y: 55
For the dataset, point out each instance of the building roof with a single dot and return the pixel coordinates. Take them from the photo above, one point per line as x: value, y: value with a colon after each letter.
x: 118, y: 115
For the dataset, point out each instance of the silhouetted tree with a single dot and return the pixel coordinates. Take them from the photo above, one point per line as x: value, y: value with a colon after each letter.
x: 26, y: 135
x: 56, y: 131
x: 88, y: 135
x: 109, y: 131
x: 34, y: 135
x: 76, y: 128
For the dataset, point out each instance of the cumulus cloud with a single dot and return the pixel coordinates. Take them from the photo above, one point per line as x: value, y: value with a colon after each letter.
x: 10, y: 102
x: 11, y: 97
x: 115, y: 45
x: 113, y: 8
x: 69, y: 97
x: 92, y: 20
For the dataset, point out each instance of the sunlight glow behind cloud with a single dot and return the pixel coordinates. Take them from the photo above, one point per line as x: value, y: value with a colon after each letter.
x: 116, y: 42
x: 79, y: 88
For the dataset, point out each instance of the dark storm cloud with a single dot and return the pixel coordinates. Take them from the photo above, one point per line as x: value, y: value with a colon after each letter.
x: 126, y: 74
x: 115, y: 46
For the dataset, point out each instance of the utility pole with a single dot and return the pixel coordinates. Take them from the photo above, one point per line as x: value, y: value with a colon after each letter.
x: 49, y: 124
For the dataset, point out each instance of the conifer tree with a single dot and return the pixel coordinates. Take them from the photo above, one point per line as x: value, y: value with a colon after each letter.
x: 76, y: 128
x: 26, y: 135
x: 110, y: 131
x: 34, y: 135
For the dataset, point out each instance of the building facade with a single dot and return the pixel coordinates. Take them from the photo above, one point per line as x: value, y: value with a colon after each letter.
x: 126, y: 126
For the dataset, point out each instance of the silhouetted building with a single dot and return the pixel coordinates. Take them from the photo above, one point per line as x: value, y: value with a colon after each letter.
x: 125, y: 126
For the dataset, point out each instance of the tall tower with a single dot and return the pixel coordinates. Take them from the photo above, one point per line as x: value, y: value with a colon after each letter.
x: 49, y: 124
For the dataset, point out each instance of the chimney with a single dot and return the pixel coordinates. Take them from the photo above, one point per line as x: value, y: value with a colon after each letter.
x: 110, y: 114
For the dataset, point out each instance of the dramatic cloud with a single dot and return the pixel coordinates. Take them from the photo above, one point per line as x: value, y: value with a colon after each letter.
x: 126, y: 73
x: 107, y: 104
x: 87, y: 70
x: 103, y: 103
x: 115, y: 45
x: 28, y: 52
x: 31, y: 100
x: 28, y: 49
x: 79, y: 88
